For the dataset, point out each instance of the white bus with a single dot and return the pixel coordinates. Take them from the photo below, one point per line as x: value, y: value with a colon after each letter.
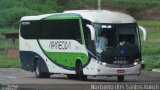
x: 81, y: 43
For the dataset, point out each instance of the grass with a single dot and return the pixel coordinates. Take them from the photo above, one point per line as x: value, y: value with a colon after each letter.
x: 149, y: 23
x: 7, y: 62
x: 151, y: 49
x: 150, y: 61
x: 152, y: 45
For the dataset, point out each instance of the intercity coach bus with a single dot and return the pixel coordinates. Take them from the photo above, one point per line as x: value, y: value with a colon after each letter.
x: 81, y: 43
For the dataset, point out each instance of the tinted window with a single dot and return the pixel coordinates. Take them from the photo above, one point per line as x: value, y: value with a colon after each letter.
x: 51, y: 29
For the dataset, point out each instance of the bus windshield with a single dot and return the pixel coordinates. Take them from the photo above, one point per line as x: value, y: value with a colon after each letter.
x: 117, y: 40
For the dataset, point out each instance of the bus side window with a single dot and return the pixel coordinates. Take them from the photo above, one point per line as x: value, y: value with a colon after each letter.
x: 52, y: 29
x: 87, y: 36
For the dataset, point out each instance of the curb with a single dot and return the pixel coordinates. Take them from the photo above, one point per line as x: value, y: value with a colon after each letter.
x: 156, y: 70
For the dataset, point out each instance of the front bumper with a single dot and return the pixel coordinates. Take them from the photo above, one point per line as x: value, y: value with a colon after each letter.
x: 110, y: 71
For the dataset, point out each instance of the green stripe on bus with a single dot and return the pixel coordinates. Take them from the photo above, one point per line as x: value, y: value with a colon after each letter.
x: 61, y: 17
x: 67, y: 59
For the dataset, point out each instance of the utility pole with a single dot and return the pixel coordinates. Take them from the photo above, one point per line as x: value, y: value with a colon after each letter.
x: 99, y: 4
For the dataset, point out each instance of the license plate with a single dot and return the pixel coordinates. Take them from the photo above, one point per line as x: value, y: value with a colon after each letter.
x: 120, y: 71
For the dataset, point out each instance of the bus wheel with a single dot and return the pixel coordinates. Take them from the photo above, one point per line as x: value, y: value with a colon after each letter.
x: 71, y: 76
x: 79, y: 72
x: 39, y: 73
x: 120, y: 78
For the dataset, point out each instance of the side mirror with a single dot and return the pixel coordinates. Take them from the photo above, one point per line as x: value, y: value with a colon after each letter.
x: 92, y: 31
x: 142, y: 65
x: 144, y: 32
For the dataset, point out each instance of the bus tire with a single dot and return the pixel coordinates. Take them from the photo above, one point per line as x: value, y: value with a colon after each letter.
x: 79, y: 72
x: 39, y: 73
x: 72, y: 76
x: 120, y: 78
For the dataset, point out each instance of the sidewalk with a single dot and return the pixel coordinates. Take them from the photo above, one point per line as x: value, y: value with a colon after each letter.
x: 156, y: 70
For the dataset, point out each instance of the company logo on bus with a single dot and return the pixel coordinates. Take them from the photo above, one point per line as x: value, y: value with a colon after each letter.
x: 120, y: 60
x: 60, y: 45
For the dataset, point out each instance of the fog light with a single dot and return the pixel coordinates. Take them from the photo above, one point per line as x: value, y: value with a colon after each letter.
x: 136, y: 62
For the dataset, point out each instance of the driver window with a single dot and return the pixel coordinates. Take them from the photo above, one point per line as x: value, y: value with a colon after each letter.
x: 102, y: 43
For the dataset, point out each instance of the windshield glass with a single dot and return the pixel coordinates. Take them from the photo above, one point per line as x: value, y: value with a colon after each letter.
x: 112, y: 36
x: 117, y: 43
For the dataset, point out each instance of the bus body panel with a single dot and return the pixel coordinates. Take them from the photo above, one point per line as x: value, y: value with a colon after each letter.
x: 28, y: 47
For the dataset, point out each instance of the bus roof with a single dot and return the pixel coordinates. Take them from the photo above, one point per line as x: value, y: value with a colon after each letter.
x: 51, y: 16
x: 96, y: 16
x: 38, y: 17
x: 104, y: 16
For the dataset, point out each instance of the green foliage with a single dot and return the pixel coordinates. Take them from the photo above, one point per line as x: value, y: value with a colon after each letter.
x: 151, y: 49
x: 152, y: 45
x: 149, y: 23
x: 150, y: 61
x: 9, y: 62
x: 13, y: 10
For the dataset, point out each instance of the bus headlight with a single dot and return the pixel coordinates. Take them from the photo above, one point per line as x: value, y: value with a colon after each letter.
x: 103, y: 63
x: 135, y: 63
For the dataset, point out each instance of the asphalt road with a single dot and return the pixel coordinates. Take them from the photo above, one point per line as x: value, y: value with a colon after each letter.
x: 17, y: 78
